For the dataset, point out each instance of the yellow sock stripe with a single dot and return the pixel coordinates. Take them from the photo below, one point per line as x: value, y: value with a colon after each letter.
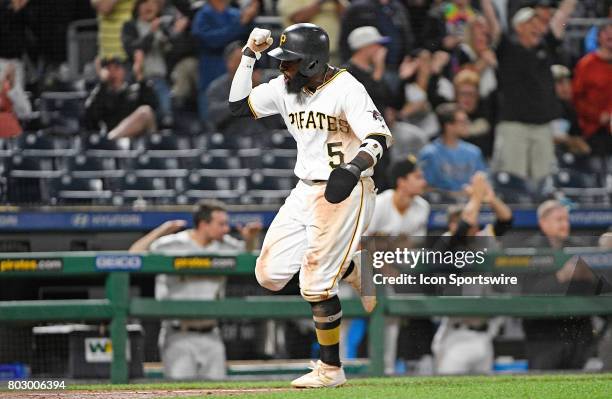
x: 328, y: 337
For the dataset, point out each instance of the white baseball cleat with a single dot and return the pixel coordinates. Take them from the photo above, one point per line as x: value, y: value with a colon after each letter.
x: 322, y: 376
x: 354, y: 279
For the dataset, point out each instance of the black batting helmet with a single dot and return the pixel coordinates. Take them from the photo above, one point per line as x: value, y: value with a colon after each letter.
x: 306, y: 42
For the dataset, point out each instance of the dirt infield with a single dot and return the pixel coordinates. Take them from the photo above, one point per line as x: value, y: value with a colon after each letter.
x: 134, y: 394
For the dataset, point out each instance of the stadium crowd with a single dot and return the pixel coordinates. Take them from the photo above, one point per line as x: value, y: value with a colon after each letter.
x: 531, y: 105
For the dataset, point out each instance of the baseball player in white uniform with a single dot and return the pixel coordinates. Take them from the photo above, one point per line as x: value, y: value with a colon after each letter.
x: 193, y: 348
x: 340, y: 136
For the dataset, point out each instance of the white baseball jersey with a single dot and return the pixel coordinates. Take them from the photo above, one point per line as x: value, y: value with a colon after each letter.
x: 388, y: 220
x: 328, y: 126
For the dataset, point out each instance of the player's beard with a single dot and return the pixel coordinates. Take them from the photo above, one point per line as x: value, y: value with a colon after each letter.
x: 295, y: 84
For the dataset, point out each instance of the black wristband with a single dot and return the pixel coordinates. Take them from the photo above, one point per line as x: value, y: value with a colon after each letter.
x: 249, y: 53
x: 359, y: 162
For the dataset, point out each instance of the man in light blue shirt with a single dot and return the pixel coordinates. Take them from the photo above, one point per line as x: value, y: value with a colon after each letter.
x: 448, y: 162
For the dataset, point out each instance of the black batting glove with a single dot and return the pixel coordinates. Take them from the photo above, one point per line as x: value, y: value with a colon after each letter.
x: 341, y: 182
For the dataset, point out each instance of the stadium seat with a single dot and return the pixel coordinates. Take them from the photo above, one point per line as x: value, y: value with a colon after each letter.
x: 152, y: 189
x: 200, y: 185
x: 28, y: 179
x: 220, y: 141
x: 96, y: 145
x: 439, y: 197
x: 32, y: 167
x: 41, y: 145
x: 512, y: 189
x: 82, y: 166
x: 251, y: 158
x: 268, y: 188
x: 282, y: 139
x: 580, y: 187
x: 146, y: 166
x: 222, y: 163
x: 69, y: 190
x: 63, y: 110
x: 167, y: 144
x: 279, y: 160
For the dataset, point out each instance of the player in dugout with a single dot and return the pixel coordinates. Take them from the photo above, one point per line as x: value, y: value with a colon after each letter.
x: 340, y: 136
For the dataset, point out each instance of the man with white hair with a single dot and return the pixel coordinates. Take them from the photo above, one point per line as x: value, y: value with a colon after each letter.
x: 524, y: 142
x: 562, y: 342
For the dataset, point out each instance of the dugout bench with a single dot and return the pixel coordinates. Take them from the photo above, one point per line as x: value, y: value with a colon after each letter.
x: 118, y: 306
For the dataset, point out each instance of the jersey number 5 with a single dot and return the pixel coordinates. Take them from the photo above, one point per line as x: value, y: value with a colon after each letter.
x: 336, y: 156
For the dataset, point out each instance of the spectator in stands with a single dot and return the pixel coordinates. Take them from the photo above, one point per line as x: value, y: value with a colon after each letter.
x: 523, y: 143
x: 391, y: 20
x: 219, y: 114
x: 401, y: 211
x: 475, y: 53
x: 122, y: 109
x: 193, y: 348
x: 424, y: 89
x: 324, y: 13
x: 446, y: 26
x: 182, y: 57
x: 215, y: 26
x: 147, y: 35
x: 592, y: 89
x: 367, y: 65
x: 480, y: 131
x: 591, y: 40
x: 566, y: 130
x: 14, y: 104
x: 13, y: 42
x: 560, y: 343
x: 449, y: 162
x: 112, y: 14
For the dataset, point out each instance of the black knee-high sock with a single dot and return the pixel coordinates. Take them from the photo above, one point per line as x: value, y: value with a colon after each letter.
x: 327, y: 316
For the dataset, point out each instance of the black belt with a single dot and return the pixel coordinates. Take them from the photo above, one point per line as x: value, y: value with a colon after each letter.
x: 312, y: 182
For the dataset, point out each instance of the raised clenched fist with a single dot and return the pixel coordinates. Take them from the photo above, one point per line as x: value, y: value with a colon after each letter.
x: 259, y: 40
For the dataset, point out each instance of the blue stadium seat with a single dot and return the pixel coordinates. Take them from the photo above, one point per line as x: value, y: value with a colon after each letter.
x: 200, y: 185
x: 167, y: 144
x: 63, y: 111
x: 82, y: 166
x: 96, y: 145
x: 512, y: 189
x: 251, y: 158
x: 220, y: 141
x: 150, y: 189
x: 69, y: 190
x: 581, y: 187
x: 147, y: 166
x: 40, y: 145
x: 279, y: 160
x: 282, y: 139
x: 267, y: 188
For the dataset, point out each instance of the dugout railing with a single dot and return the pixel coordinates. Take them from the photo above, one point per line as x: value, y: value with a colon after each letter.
x: 118, y: 306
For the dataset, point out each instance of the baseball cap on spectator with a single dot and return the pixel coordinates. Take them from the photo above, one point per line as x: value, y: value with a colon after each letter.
x: 560, y: 72
x: 115, y: 60
x: 523, y: 15
x: 364, y: 36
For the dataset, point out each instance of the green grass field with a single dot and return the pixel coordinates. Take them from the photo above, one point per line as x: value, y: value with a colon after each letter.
x: 566, y: 386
